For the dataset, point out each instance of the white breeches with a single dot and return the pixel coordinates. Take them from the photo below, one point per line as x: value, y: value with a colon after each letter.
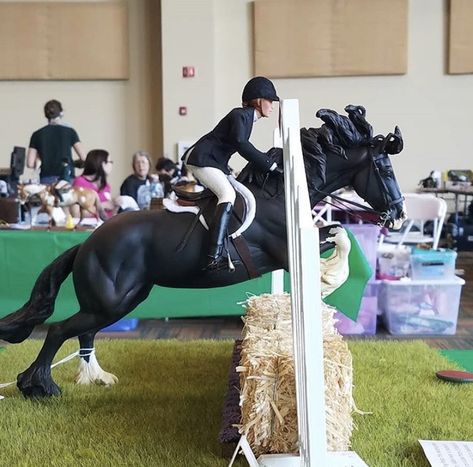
x: 216, y: 181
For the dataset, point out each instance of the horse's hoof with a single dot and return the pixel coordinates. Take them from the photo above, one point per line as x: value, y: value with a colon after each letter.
x: 37, y: 383
x: 105, y: 379
x: 38, y: 392
x: 91, y: 373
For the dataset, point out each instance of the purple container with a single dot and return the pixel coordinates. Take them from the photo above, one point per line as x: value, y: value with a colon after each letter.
x: 367, y: 236
x: 365, y: 324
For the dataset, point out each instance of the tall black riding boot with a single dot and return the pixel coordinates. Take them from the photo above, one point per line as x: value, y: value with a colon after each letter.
x: 218, y: 232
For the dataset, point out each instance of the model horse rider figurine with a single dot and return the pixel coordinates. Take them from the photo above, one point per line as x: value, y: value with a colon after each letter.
x: 208, y: 158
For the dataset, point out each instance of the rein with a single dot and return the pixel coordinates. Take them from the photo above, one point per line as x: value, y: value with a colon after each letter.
x: 377, y: 144
x: 277, y: 190
x: 342, y: 202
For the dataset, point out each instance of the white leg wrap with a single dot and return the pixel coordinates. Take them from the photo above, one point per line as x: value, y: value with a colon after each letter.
x: 91, y: 373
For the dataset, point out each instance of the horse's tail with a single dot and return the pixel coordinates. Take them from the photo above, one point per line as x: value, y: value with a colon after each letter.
x: 17, y: 326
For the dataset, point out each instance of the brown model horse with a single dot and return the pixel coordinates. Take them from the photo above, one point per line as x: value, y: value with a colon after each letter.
x: 64, y: 196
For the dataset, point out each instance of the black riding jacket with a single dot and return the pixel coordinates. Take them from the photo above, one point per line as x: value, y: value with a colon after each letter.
x: 231, y: 135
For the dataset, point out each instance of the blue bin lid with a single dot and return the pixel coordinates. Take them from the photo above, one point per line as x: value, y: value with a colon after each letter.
x: 433, y: 255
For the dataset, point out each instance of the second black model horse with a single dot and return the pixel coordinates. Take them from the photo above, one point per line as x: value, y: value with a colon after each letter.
x: 116, y: 267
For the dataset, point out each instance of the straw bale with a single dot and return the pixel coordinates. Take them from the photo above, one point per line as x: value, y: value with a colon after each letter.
x: 267, y: 378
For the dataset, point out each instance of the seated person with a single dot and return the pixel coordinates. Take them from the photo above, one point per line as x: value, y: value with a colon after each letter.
x: 170, y: 174
x: 141, y: 164
x: 98, y: 166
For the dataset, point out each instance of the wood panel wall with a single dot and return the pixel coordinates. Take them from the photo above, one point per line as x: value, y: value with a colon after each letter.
x: 460, y: 57
x: 63, y: 41
x: 304, y: 38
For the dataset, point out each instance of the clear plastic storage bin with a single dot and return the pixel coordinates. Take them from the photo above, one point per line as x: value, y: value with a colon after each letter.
x: 433, y: 264
x: 366, y: 321
x: 420, y: 307
x: 367, y: 236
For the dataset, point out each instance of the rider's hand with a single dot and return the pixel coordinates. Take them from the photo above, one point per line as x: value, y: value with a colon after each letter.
x: 275, y: 154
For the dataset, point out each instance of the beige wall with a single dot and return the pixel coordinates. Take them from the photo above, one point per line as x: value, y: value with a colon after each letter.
x: 188, y: 39
x: 119, y: 116
x: 432, y: 109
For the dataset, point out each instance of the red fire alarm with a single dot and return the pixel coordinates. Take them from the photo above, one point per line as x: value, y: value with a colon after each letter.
x: 188, y: 71
x: 182, y: 110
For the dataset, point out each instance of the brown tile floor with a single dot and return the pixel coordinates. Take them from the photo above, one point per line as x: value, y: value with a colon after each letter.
x: 230, y: 327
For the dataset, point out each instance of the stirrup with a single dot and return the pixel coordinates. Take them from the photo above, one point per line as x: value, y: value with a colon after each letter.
x: 216, y: 264
x: 221, y: 263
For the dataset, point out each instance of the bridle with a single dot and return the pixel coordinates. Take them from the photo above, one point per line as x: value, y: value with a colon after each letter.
x: 377, y: 154
x: 390, y: 203
x: 376, y: 161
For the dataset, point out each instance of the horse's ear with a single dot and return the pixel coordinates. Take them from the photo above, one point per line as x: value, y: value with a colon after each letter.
x: 395, y: 143
x: 357, y: 115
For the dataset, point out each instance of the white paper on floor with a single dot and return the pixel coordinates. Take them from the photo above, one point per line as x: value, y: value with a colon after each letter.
x: 345, y: 459
x: 448, y: 453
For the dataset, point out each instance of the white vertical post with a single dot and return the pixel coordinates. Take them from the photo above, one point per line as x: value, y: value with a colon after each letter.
x: 304, y: 267
x: 277, y: 277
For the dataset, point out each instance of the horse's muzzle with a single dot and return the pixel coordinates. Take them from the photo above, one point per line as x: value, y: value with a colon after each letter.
x: 386, y: 220
x: 397, y: 223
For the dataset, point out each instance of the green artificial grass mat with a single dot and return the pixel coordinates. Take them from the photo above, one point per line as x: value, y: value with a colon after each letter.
x: 166, y: 408
x: 463, y: 358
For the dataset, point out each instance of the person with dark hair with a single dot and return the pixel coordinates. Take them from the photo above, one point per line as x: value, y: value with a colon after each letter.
x: 169, y: 174
x: 98, y: 166
x: 141, y: 164
x: 166, y: 166
x: 51, y: 146
x: 208, y: 158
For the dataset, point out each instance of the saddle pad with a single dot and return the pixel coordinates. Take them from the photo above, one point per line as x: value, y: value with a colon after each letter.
x: 174, y: 205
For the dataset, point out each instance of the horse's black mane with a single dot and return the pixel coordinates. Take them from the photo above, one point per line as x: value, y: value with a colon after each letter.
x: 334, y: 137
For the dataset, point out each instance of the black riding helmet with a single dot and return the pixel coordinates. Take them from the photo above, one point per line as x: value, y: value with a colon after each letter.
x: 259, y: 88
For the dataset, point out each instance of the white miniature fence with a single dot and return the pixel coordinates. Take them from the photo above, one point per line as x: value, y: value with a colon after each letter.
x: 304, y: 268
x: 304, y: 254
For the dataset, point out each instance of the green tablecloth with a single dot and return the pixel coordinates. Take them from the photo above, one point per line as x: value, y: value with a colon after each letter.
x: 24, y: 254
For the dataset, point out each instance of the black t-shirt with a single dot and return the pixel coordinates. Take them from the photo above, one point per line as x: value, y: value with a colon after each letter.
x: 130, y: 186
x: 54, y: 143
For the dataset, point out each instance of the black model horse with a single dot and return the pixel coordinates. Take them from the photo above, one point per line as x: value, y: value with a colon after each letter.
x: 116, y: 267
